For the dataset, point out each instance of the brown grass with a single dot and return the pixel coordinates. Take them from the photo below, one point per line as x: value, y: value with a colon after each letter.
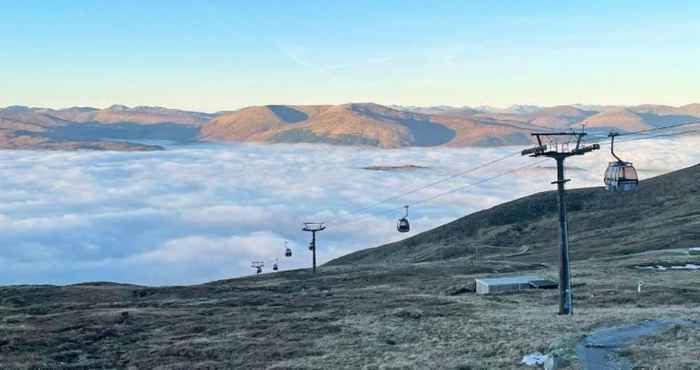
x: 403, y: 316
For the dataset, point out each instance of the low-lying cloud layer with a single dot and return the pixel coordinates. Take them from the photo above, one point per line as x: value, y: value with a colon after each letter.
x: 198, y: 213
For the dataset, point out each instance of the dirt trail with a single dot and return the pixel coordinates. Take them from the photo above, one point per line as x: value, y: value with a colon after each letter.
x: 600, y: 349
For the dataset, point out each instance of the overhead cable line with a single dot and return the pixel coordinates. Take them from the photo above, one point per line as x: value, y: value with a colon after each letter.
x: 478, y: 182
x: 437, y: 182
x: 426, y: 200
x: 653, y: 129
x: 494, y: 161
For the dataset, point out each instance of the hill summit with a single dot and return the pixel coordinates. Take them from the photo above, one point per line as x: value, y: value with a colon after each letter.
x: 359, y: 124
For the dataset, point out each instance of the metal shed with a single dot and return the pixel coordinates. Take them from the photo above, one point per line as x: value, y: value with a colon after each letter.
x: 507, y: 284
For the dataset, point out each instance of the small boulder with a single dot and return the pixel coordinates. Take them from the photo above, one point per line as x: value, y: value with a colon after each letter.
x: 409, y: 313
x: 459, y: 289
x: 123, y: 317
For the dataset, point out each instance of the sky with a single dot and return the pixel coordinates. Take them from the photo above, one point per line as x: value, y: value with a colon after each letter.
x: 203, y: 212
x: 222, y: 55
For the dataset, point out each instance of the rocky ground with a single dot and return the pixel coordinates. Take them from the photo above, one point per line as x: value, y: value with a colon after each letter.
x: 421, y: 315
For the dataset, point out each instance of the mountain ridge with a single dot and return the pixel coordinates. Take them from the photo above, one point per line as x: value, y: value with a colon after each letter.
x: 361, y: 124
x: 87, y: 128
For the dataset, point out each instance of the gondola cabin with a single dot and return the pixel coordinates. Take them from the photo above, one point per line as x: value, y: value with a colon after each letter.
x: 621, y: 176
x: 403, y: 226
x: 287, y: 250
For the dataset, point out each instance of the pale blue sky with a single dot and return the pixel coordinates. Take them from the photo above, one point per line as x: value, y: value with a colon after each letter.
x: 219, y: 55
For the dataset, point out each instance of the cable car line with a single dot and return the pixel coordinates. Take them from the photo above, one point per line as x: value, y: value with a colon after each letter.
x: 659, y: 128
x: 404, y: 193
x: 426, y: 200
x: 473, y: 169
x: 479, y: 182
x: 679, y: 133
x: 500, y: 159
x: 661, y: 135
x: 423, y: 201
x: 461, y: 187
x: 403, y: 224
x: 644, y: 131
x: 513, y: 154
x: 437, y: 182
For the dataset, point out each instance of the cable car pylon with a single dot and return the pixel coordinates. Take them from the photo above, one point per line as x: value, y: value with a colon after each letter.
x: 258, y: 266
x: 560, y: 153
x: 313, y: 228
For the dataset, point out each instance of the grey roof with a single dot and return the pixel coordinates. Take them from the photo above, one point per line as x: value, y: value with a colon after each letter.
x: 509, y: 280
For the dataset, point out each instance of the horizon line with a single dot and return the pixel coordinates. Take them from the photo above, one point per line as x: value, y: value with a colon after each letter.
x: 346, y: 103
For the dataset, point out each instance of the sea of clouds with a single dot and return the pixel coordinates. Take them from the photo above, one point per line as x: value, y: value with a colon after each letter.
x: 197, y: 213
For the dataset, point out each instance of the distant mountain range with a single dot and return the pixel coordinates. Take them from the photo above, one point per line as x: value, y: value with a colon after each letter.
x: 362, y: 124
x: 121, y: 128
x: 96, y: 129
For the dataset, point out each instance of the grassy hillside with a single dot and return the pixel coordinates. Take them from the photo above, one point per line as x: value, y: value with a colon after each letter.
x: 345, y: 317
x: 663, y: 213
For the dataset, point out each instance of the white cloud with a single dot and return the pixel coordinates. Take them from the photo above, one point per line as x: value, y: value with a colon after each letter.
x: 196, y: 213
x: 203, y: 249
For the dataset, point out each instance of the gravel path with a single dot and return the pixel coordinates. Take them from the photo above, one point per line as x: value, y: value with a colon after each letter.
x: 600, y: 349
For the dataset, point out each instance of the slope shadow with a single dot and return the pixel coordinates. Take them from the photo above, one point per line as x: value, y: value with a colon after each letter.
x: 515, y: 138
x: 303, y: 135
x: 125, y: 131
x: 427, y: 133
x: 287, y: 114
x: 424, y: 131
x: 673, y: 119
